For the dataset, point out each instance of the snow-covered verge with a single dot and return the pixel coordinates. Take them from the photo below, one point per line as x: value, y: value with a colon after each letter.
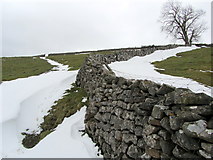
x: 141, y: 68
x: 25, y: 101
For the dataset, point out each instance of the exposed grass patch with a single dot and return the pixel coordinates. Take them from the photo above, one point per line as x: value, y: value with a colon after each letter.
x: 75, y: 61
x: 21, y: 67
x: 65, y: 107
x: 189, y: 64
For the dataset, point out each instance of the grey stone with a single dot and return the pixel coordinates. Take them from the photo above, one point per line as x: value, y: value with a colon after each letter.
x: 208, y: 147
x: 142, y: 112
x: 124, y: 156
x: 164, y: 134
x: 129, y: 125
x: 164, y: 89
x: 138, y: 99
x: 123, y: 147
x: 132, y: 151
x: 135, y: 92
x: 118, y: 135
x: 141, y: 86
x: 205, y: 154
x: 141, y: 120
x: 135, y: 84
x: 127, y: 138
x: 104, y: 109
x: 150, y: 86
x: 121, y: 81
x: 106, y: 136
x: 118, y: 111
x: 207, y: 135
x: 153, y: 141
x: 106, y: 148
x: 204, y: 110
x: 175, y: 109
x: 167, y: 146
x: 148, y: 104
x: 116, y: 122
x: 141, y: 143
x: 189, y: 116
x: 114, y: 119
x: 149, y: 129
x: 138, y: 131
x: 165, y: 124
x: 104, y: 103
x: 210, y: 123
x: 154, y: 121
x: 165, y: 156
x: 107, y: 155
x: 169, y: 113
x: 106, y: 127
x: 153, y: 152
x: 180, y: 153
x: 100, y: 141
x: 187, y: 97
x: 124, y: 87
x: 193, y: 129
x: 186, y: 142
x: 158, y: 111
x: 106, y: 117
x: 170, y: 98
x: 175, y: 122
x: 130, y: 107
x: 127, y: 93
x: 98, y: 116
x: 121, y: 97
x: 129, y: 100
x: 152, y: 91
x: 128, y: 115
x: 111, y: 139
x: 121, y: 104
x: 145, y: 156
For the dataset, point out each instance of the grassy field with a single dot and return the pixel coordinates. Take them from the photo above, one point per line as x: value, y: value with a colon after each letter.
x: 65, y: 107
x: 21, y: 67
x: 74, y: 61
x: 194, y: 64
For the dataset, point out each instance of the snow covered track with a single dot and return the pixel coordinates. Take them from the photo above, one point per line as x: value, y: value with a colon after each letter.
x: 141, y: 68
x: 24, y: 103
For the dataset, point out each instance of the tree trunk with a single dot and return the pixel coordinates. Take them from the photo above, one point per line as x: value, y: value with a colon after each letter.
x: 187, y: 43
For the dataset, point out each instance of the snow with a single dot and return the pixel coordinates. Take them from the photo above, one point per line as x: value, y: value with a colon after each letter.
x: 193, y: 107
x: 25, y: 101
x: 84, y: 99
x: 65, y: 142
x: 59, y: 66
x: 141, y: 68
x: 82, y: 53
x: 206, y: 71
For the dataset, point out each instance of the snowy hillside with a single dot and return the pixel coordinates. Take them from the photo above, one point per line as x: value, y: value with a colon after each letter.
x: 141, y: 68
x: 24, y: 103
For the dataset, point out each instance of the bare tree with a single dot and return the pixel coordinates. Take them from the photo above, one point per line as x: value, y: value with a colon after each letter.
x: 182, y: 22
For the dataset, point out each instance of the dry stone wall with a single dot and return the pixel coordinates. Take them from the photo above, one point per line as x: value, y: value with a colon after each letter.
x: 142, y: 119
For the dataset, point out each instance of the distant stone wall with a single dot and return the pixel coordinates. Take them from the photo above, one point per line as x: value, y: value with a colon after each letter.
x: 142, y: 119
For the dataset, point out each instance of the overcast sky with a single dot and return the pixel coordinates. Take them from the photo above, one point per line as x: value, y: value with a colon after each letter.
x: 32, y: 27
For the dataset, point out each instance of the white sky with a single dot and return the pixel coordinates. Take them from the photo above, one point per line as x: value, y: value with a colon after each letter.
x: 31, y: 27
